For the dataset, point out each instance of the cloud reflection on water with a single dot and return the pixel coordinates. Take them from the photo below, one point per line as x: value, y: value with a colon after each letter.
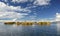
x: 36, y: 30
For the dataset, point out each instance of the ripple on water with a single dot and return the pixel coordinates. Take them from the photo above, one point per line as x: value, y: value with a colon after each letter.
x: 12, y: 30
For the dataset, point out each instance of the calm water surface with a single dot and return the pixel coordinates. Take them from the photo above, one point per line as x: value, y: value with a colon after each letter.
x: 13, y: 30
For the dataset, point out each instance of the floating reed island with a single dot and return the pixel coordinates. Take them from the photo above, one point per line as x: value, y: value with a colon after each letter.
x: 27, y: 23
x: 9, y: 23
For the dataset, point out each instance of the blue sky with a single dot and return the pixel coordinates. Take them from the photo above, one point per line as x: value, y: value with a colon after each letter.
x: 28, y: 9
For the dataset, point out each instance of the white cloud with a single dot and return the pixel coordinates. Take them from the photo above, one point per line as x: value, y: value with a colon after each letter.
x: 57, y: 16
x: 21, y: 1
x: 36, y: 2
x: 11, y: 15
x: 42, y: 2
x: 4, y: 7
x: 9, y: 11
x: 32, y: 17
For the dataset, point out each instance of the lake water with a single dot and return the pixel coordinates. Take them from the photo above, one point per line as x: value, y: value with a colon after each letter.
x: 37, y: 30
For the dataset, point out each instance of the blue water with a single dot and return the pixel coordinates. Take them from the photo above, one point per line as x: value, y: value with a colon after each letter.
x: 37, y: 30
